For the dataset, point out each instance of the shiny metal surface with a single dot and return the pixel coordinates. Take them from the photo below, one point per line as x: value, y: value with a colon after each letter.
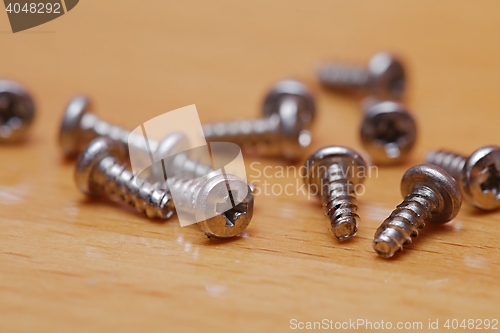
x: 100, y: 170
x: 289, y: 110
x: 17, y: 111
x: 478, y: 175
x: 80, y: 125
x: 384, y: 76
x: 333, y: 174
x: 430, y: 194
x: 388, y: 131
x: 211, y: 195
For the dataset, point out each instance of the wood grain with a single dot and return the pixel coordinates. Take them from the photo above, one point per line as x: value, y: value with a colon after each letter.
x: 72, y: 264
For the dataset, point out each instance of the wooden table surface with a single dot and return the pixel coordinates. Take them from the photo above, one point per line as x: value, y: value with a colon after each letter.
x: 72, y: 264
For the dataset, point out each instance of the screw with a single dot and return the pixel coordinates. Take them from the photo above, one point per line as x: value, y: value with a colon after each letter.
x: 80, y: 126
x: 17, y: 111
x: 335, y: 172
x: 430, y: 194
x: 288, y: 110
x: 384, y: 76
x: 100, y: 170
x: 223, y: 204
x: 478, y: 175
x: 388, y: 131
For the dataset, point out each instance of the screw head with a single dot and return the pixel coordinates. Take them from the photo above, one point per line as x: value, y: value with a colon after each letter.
x: 352, y: 163
x: 293, y: 104
x: 444, y: 187
x: 386, y: 75
x: 17, y: 111
x: 388, y: 132
x: 215, y: 200
x: 480, y: 178
x: 89, y: 159
x: 69, y: 133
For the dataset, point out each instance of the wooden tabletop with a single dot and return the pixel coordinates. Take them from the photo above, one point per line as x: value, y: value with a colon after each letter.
x: 71, y: 264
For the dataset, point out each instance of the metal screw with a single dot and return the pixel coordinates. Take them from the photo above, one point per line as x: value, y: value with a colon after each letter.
x: 222, y: 203
x: 17, y: 111
x: 80, y: 126
x: 478, y: 175
x: 384, y: 76
x: 333, y: 173
x: 430, y: 194
x: 388, y: 131
x: 288, y: 110
x: 100, y: 170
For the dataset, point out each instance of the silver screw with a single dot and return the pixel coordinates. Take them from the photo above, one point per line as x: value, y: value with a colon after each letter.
x: 222, y: 203
x: 17, y: 111
x: 478, y: 175
x: 430, y: 194
x: 288, y: 110
x: 332, y: 174
x: 80, y: 126
x: 384, y: 76
x: 388, y: 131
x: 100, y: 170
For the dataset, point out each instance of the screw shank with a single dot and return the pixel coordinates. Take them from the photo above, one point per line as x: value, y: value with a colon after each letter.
x: 450, y: 162
x: 340, y: 76
x: 261, y: 135
x: 404, y: 222
x: 340, y: 204
x: 121, y: 185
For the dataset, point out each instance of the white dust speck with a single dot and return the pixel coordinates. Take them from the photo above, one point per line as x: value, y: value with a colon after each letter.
x: 13, y: 195
x: 180, y: 240
x: 91, y: 282
x: 438, y: 282
x: 216, y: 289
x: 475, y: 262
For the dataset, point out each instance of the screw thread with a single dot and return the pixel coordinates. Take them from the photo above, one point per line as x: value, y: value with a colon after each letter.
x: 184, y: 166
x: 340, y: 203
x: 92, y: 127
x: 404, y: 222
x: 123, y: 186
x: 343, y: 76
x: 189, y: 189
x: 450, y: 162
x: 260, y: 134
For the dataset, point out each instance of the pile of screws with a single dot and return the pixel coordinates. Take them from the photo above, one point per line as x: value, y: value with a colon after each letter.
x: 432, y: 192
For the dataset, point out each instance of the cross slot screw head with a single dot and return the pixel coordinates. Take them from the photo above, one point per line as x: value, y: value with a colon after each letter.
x: 478, y: 174
x: 388, y: 131
x: 17, y: 111
x: 222, y: 197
